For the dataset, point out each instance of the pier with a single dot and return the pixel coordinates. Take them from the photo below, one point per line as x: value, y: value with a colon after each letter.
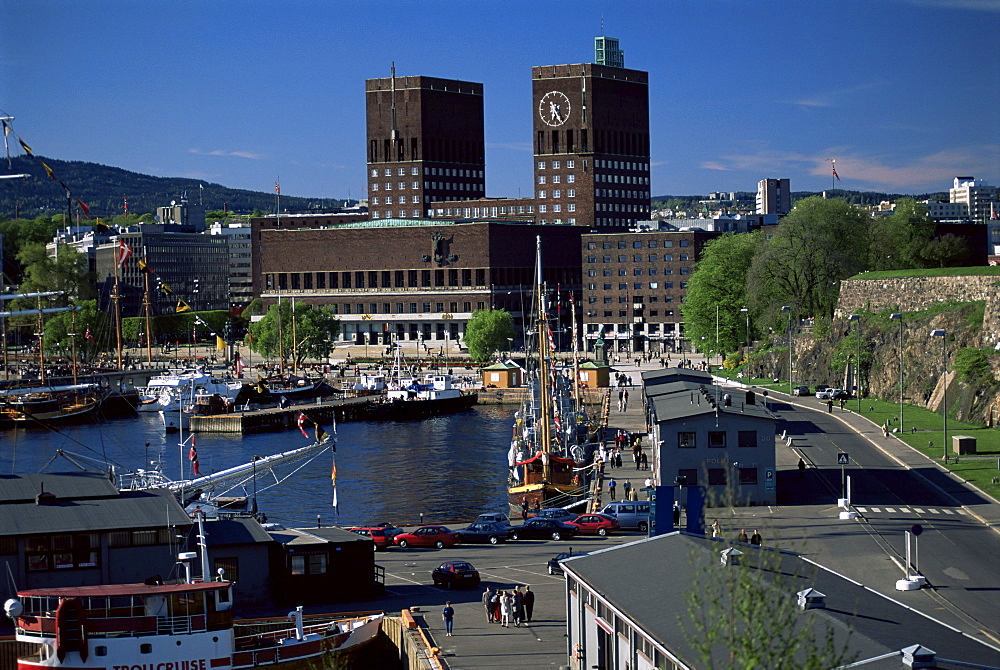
x: 274, y: 419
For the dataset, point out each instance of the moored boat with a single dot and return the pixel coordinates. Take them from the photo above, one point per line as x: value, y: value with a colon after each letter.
x: 70, y: 402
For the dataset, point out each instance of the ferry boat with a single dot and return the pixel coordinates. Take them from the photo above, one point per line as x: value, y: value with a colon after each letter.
x: 167, y: 391
x: 184, y: 626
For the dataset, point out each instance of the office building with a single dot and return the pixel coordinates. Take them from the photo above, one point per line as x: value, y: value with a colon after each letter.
x: 591, y: 143
x: 607, y: 52
x: 774, y: 197
x: 979, y: 197
x: 425, y: 144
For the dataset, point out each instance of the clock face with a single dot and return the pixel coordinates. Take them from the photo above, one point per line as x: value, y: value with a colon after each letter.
x: 553, y: 108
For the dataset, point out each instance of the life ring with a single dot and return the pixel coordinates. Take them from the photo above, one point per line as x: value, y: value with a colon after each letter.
x: 577, y: 652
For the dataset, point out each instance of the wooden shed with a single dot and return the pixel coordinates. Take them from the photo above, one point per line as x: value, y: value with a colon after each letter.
x: 503, y: 375
x: 594, y: 375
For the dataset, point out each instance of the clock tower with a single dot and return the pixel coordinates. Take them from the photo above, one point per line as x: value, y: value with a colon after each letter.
x: 591, y: 145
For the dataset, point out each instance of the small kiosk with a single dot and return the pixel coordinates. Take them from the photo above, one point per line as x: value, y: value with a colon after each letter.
x: 594, y: 375
x: 503, y: 375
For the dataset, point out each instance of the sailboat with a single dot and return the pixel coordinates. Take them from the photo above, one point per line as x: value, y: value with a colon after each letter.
x: 551, y: 444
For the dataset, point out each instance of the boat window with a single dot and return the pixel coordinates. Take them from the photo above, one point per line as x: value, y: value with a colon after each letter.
x: 145, y: 648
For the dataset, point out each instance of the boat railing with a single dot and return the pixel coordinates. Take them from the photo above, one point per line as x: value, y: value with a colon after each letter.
x: 176, y: 625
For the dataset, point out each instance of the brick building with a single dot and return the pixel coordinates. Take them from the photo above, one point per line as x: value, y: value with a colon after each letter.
x: 426, y: 142
x: 416, y: 280
x: 634, y: 284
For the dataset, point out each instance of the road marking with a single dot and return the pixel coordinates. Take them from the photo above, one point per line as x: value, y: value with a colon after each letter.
x: 947, y: 511
x: 933, y: 511
x: 962, y: 512
x: 861, y: 509
x: 904, y: 510
x: 876, y: 509
x: 918, y: 510
x: 890, y: 510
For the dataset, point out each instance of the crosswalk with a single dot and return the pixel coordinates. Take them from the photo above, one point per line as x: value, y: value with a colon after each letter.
x: 944, y: 511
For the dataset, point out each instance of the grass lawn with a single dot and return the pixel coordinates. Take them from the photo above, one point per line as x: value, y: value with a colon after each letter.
x: 922, y: 426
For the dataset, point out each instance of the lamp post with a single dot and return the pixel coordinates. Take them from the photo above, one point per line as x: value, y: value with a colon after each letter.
x: 787, y: 308
x: 899, y: 317
x: 944, y: 398
x: 747, y: 312
x: 718, y: 345
x: 856, y: 318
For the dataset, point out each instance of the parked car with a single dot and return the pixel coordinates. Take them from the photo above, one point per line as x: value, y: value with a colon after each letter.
x: 825, y: 394
x: 801, y: 391
x: 555, y: 563
x: 493, y: 517
x: 485, y: 531
x: 455, y: 573
x: 840, y: 394
x: 543, y: 529
x: 381, y: 535
x: 595, y: 524
x: 428, y: 536
x: 821, y: 387
x: 557, y: 513
x: 629, y: 514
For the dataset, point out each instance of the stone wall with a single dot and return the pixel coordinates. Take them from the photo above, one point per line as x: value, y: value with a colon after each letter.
x: 911, y: 294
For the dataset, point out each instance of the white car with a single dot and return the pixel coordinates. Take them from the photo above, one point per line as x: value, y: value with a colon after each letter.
x: 825, y: 394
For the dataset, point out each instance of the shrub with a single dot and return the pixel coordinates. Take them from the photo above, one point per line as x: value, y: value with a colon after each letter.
x: 973, y: 366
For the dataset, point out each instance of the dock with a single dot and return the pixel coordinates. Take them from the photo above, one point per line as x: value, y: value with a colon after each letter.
x: 321, y: 411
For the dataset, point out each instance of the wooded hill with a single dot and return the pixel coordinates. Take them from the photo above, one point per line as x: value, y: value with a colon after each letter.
x: 104, y: 188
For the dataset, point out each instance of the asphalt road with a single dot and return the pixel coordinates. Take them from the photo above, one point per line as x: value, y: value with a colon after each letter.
x: 956, y: 552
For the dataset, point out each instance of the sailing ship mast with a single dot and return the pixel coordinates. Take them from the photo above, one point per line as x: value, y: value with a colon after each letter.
x: 544, y: 384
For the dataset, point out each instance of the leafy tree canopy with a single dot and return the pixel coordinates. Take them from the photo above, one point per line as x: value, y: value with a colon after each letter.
x: 314, y: 329
x: 487, y: 332
x: 66, y: 330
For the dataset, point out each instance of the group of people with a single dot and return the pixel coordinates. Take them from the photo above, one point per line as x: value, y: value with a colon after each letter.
x: 524, y: 509
x: 628, y: 491
x: 754, y: 539
x: 502, y: 607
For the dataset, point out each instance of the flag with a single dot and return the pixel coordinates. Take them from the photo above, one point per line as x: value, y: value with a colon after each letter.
x: 6, y: 132
x: 144, y: 267
x: 835, y: 173
x: 238, y: 365
x: 84, y: 206
x: 193, y: 457
x: 125, y: 198
x: 124, y: 253
x: 220, y: 344
x: 333, y: 482
x: 277, y: 187
x: 321, y: 434
x: 302, y: 423
x: 26, y: 148
x: 182, y: 306
x: 100, y: 226
x: 48, y: 171
x: 87, y: 335
x: 261, y: 386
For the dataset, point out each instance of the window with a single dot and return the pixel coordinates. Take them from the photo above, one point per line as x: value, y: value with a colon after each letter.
x: 230, y: 567
x: 717, y: 439
x: 571, y: 178
x: 747, y: 438
x: 622, y: 272
x: 690, y: 476
x: 716, y: 476
x: 623, y: 259
x: 685, y: 440
x: 543, y: 194
x: 653, y: 258
x: 541, y: 179
x: 571, y: 193
x: 308, y: 564
x: 685, y: 243
x: 748, y: 476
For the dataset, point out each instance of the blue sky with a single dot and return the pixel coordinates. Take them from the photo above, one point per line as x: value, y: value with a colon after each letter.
x: 905, y: 94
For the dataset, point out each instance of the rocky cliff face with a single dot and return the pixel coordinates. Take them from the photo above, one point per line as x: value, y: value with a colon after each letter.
x: 926, y: 305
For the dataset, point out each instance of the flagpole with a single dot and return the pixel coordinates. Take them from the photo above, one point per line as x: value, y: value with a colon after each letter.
x: 118, y: 311
x: 73, y: 340
x: 146, y: 305
x: 833, y: 175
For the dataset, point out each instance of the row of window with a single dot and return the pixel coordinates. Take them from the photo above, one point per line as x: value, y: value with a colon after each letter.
x: 719, y: 476
x: 716, y: 439
x: 556, y: 179
x: 621, y: 179
x: 570, y: 164
x: 476, y: 212
x: 557, y: 193
x: 430, y: 185
x: 542, y: 209
x: 403, y: 308
x: 617, y: 193
x: 637, y: 286
x: 630, y: 328
x: 431, y: 171
x: 379, y: 279
x: 637, y: 300
x: 618, y: 207
x: 415, y: 199
x: 637, y: 244
x: 638, y: 272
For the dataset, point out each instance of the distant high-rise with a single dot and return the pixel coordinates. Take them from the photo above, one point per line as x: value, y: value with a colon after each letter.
x: 774, y: 197
x: 591, y: 142
x: 979, y: 197
x: 426, y: 142
x: 606, y: 52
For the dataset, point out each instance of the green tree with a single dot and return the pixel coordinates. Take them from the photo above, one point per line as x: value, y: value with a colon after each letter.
x: 66, y: 327
x: 819, y: 243
x: 314, y: 328
x: 946, y: 250
x: 718, y: 288
x: 487, y: 332
x: 897, y: 241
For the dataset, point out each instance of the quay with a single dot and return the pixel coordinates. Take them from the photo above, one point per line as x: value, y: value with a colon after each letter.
x: 321, y: 411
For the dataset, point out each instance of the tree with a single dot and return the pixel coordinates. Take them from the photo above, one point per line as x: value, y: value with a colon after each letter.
x: 946, y: 250
x: 59, y: 332
x: 817, y: 245
x: 720, y: 283
x: 314, y: 328
x: 487, y: 332
x: 897, y: 240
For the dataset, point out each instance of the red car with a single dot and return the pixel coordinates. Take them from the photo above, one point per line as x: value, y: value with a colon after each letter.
x: 594, y: 524
x: 428, y: 536
x: 381, y: 535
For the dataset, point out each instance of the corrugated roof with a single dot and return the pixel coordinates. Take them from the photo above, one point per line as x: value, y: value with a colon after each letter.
x: 73, y: 485
x: 673, y: 564
x: 125, y: 510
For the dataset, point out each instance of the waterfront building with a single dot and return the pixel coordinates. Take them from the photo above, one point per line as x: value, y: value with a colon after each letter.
x: 591, y: 142
x: 426, y: 143
x: 774, y: 196
x: 237, y: 236
x: 979, y: 198
x: 718, y: 438
x: 633, y: 285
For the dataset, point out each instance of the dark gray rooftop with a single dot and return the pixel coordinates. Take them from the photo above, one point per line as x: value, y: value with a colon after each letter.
x: 73, y: 485
x: 673, y: 564
x: 324, y: 535
x: 682, y: 398
x: 238, y: 530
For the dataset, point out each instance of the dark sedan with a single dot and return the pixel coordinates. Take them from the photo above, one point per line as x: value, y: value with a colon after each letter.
x: 485, y: 531
x: 557, y: 513
x: 555, y: 563
x: 543, y: 529
x: 455, y: 573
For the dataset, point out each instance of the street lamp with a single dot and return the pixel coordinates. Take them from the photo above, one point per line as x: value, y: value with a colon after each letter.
x: 899, y: 317
x: 787, y: 308
x: 857, y: 361
x: 717, y: 344
x: 944, y: 398
x: 747, y: 312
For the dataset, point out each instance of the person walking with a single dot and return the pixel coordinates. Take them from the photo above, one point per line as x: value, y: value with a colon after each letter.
x: 488, y: 604
x: 528, y: 601
x: 517, y: 606
x: 524, y: 509
x: 611, y: 488
x: 643, y: 461
x: 625, y: 400
x: 677, y: 513
x: 626, y: 490
x: 755, y: 538
x: 716, y: 530
x: 802, y: 468
x: 448, y: 616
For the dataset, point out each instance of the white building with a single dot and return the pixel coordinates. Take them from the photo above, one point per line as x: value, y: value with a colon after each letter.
x: 979, y: 198
x: 774, y: 196
x: 240, y: 260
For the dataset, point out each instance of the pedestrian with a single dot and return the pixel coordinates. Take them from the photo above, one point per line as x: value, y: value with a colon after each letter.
x: 488, y: 604
x: 742, y: 537
x: 677, y: 513
x: 517, y: 606
x: 625, y: 399
x: 448, y: 616
x: 618, y: 457
x: 755, y: 538
x: 626, y: 490
x: 643, y: 461
x: 621, y: 400
x: 649, y: 486
x: 802, y: 468
x: 524, y: 509
x: 506, y: 605
x: 495, y: 601
x: 611, y: 488
x: 715, y: 528
x: 528, y: 600
x: 538, y: 508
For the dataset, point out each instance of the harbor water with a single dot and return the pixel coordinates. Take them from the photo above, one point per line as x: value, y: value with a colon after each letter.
x: 447, y: 468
